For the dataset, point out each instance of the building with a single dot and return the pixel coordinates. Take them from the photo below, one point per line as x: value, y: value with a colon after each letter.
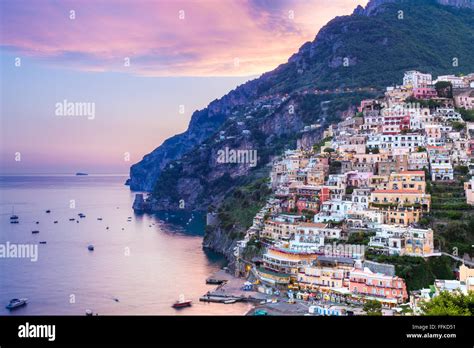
x: 284, y: 259
x: 278, y: 230
x: 378, y: 286
x: 464, y: 98
x: 399, y: 240
x: 456, y: 81
x: 424, y: 93
x: 400, y: 197
x: 466, y: 276
x: 469, y: 190
x: 325, y: 273
x: 407, y: 180
x: 416, y: 79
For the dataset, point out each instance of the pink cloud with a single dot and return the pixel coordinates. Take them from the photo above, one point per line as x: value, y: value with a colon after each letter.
x: 213, y: 35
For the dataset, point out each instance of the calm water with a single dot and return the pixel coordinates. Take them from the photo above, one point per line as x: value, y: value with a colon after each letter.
x: 145, y: 263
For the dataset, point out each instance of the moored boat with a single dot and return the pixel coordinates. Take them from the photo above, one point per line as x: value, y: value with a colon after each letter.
x: 182, y: 302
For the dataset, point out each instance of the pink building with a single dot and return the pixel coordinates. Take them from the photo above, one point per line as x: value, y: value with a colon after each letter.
x: 358, y: 179
x: 424, y: 93
x: 378, y: 285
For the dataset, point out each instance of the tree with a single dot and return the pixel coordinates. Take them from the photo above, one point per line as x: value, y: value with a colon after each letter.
x: 467, y: 115
x: 373, y: 307
x: 447, y: 303
x: 444, y: 89
x: 421, y: 149
x: 457, y: 126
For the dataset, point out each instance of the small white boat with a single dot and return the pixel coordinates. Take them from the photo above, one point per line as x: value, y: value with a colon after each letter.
x: 89, y: 312
x: 15, y: 303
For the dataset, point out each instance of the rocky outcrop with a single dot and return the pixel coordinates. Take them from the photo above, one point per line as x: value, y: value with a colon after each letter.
x: 218, y: 240
x: 143, y: 175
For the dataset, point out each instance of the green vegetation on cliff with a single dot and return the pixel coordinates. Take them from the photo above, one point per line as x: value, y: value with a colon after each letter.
x: 238, y: 210
x: 418, y: 272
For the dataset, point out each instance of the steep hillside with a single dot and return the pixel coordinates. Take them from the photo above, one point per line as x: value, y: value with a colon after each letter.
x: 377, y: 44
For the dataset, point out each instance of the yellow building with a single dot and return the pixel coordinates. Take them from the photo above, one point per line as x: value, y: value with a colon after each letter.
x: 407, y: 180
x: 401, y: 216
x: 325, y: 273
x: 277, y: 230
x: 281, y: 259
x: 396, y: 198
x: 466, y: 275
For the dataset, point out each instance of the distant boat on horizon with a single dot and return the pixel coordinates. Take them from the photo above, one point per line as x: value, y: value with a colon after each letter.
x: 13, y: 216
x: 80, y: 173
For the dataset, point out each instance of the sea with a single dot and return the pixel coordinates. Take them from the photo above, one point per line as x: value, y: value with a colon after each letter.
x: 139, y: 265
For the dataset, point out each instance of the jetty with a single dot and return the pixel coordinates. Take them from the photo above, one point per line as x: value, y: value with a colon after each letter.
x: 229, y: 290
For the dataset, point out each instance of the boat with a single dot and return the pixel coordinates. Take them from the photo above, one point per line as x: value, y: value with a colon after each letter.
x: 230, y: 301
x: 15, y: 303
x: 214, y: 281
x: 90, y: 247
x: 81, y: 215
x: 79, y: 174
x: 260, y: 312
x: 181, y: 303
x: 35, y: 231
x: 100, y: 219
x: 14, y: 221
x: 72, y: 219
x: 89, y: 312
x: 48, y: 211
x: 37, y: 222
x: 56, y: 221
x: 13, y: 216
x: 43, y: 242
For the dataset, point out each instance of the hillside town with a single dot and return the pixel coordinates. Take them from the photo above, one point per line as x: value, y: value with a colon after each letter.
x: 365, y: 190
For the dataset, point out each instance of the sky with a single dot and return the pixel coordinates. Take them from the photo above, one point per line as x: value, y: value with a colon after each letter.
x: 137, y: 68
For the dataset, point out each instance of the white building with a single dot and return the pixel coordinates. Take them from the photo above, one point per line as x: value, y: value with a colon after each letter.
x: 416, y: 79
x: 457, y: 82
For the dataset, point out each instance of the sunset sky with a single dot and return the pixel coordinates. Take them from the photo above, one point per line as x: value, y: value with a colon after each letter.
x: 138, y: 61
